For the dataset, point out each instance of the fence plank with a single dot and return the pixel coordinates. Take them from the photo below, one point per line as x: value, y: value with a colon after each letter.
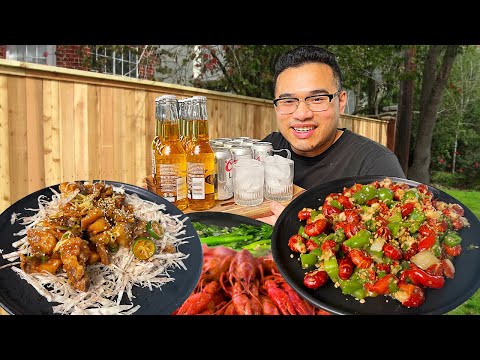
x: 80, y: 116
x: 94, y: 131
x: 67, y: 131
x: 35, y: 147
x: 18, y: 138
x: 51, y: 133
x: 5, y: 194
x: 140, y: 138
x: 106, y: 134
x: 119, y: 135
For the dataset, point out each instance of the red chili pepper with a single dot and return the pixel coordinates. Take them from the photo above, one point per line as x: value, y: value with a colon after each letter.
x: 423, y: 189
x: 354, y: 189
x: 457, y: 224
x: 418, y: 276
x: 381, y: 285
x: 384, y: 232
x: 452, y: 250
x: 392, y: 252
x: 297, y: 243
x: 458, y: 209
x: 437, y: 225
x: 329, y: 246
x: 412, y: 250
x: 311, y: 229
x: 351, y: 216
x: 311, y: 245
x: 424, y: 230
x: 304, y: 214
x: 407, y: 208
x: 427, y: 242
x: 328, y: 210
x: 352, y: 228
x: 435, y: 269
x: 345, y: 268
x: 383, y: 267
x: 345, y: 201
x: 410, y: 295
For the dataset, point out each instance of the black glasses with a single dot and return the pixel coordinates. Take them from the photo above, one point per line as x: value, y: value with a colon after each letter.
x: 316, y: 103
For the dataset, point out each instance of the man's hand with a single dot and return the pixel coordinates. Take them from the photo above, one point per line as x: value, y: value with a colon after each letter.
x: 276, y: 209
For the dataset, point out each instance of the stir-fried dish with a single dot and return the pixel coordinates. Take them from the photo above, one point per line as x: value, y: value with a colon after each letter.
x: 91, y: 243
x: 383, y: 238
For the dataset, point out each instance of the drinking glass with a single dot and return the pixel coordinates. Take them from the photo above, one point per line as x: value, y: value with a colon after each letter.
x: 278, y: 178
x: 248, y: 181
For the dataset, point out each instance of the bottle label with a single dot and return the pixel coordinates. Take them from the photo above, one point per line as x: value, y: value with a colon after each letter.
x: 181, y: 188
x: 168, y: 181
x: 154, y: 169
x: 196, y: 181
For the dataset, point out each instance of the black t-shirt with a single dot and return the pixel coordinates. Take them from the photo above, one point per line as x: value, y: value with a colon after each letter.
x: 350, y: 155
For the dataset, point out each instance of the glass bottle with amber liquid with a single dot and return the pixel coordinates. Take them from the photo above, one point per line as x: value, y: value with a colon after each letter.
x: 201, y: 172
x: 183, y: 118
x: 158, y: 138
x: 170, y: 157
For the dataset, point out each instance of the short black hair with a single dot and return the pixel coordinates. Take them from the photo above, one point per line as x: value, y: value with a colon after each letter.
x: 306, y: 54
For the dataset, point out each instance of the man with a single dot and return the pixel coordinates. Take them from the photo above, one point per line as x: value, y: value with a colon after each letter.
x: 309, y: 99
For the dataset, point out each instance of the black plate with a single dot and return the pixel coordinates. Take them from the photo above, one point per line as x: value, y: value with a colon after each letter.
x: 437, y: 301
x: 19, y: 297
x: 222, y: 219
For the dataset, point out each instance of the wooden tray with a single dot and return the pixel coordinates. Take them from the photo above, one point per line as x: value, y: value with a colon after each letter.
x: 229, y: 205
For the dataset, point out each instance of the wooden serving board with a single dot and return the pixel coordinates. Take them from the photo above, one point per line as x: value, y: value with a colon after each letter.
x: 229, y: 205
x: 254, y: 212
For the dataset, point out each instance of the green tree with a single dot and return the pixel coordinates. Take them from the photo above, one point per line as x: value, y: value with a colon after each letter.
x: 436, y: 70
x: 456, y: 138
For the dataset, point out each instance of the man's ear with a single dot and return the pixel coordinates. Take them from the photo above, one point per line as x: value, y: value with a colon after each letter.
x: 342, y: 101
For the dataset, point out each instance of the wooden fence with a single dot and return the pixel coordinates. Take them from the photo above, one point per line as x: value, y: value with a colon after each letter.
x: 60, y: 125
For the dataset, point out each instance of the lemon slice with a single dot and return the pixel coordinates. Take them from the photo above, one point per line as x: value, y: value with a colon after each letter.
x: 143, y: 248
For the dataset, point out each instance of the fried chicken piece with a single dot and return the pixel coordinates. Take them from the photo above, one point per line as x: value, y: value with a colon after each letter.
x: 35, y: 264
x: 92, y: 216
x: 75, y: 253
x: 123, y: 234
x: 100, y: 225
x: 41, y: 242
x: 68, y: 187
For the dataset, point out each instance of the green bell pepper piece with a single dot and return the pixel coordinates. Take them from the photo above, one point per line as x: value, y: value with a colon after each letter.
x: 331, y: 267
x: 385, y: 195
x: 308, y: 260
x: 301, y: 232
x: 451, y: 238
x: 360, y: 240
x: 394, y: 228
x: 336, y: 204
x: 416, y: 215
x: 410, y: 194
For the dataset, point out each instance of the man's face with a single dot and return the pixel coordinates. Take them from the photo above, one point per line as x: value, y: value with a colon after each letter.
x: 309, y: 133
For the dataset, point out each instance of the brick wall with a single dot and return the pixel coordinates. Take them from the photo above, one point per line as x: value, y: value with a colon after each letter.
x: 70, y: 56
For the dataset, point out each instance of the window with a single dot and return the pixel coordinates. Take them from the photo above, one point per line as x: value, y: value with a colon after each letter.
x: 39, y: 54
x: 116, y: 62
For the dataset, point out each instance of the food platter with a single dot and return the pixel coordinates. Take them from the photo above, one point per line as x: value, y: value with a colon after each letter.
x: 438, y: 301
x: 222, y: 219
x: 19, y: 297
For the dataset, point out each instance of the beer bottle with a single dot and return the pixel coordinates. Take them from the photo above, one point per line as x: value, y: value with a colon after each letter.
x: 201, y: 172
x: 170, y: 157
x: 158, y: 138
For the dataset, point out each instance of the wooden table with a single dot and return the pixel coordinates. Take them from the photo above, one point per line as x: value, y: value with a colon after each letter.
x: 229, y: 206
